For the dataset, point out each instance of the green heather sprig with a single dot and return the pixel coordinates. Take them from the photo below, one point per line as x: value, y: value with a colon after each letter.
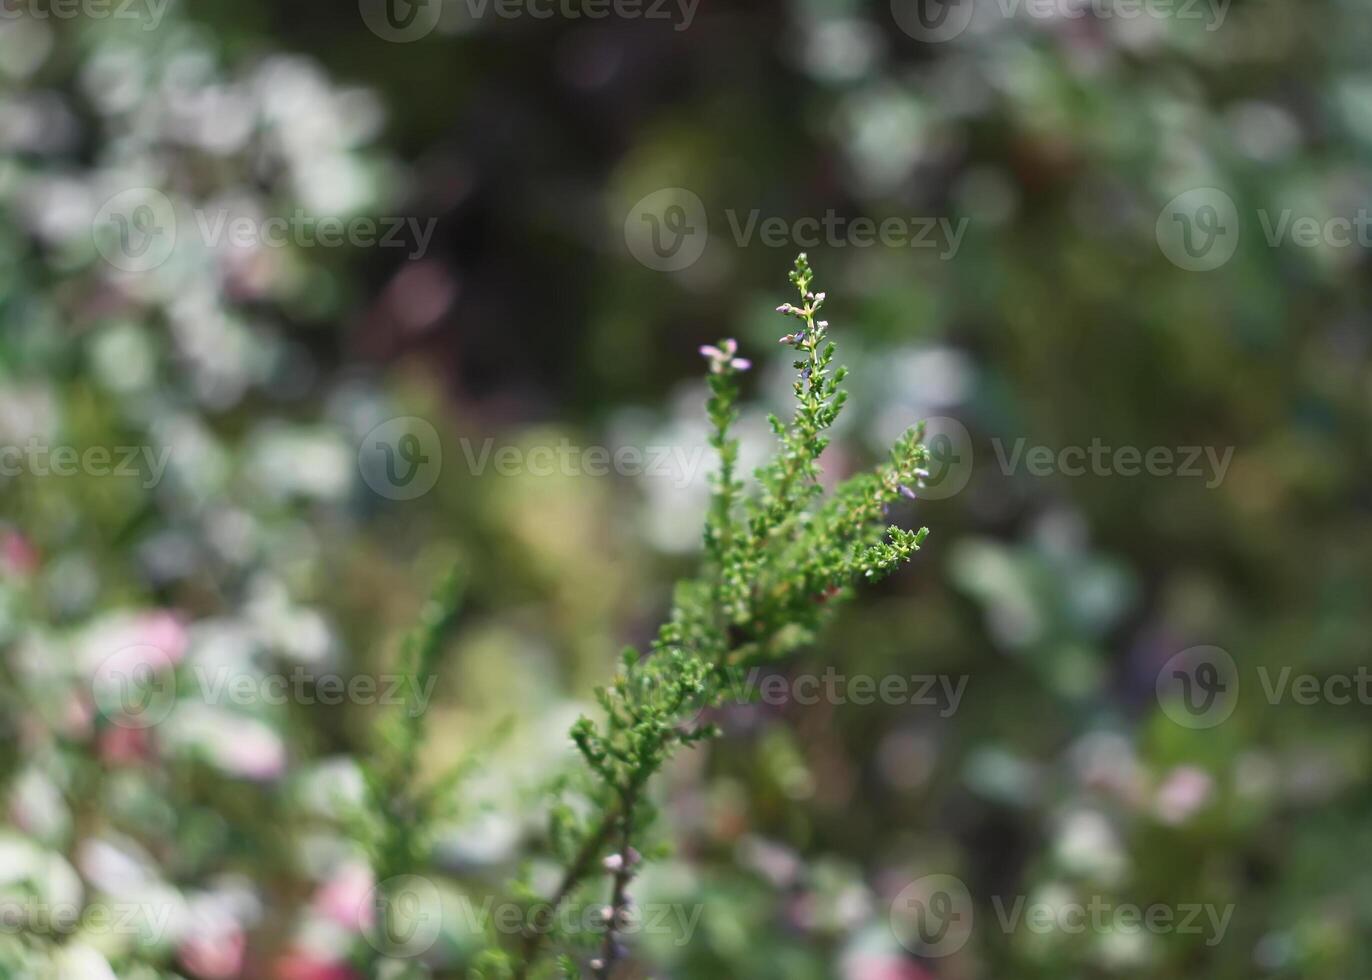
x: 777, y: 562
x: 398, y: 815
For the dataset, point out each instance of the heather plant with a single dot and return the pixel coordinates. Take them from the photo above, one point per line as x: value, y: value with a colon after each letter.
x: 779, y: 558
x: 395, y: 820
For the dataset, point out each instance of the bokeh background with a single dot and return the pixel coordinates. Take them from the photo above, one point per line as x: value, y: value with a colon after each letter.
x: 1075, y: 148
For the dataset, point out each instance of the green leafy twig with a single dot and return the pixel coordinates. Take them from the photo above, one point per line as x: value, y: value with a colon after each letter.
x: 398, y: 814
x: 776, y: 566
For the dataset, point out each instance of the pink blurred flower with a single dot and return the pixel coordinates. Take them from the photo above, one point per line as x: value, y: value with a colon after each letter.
x: 1186, y: 790
x: 256, y: 752
x: 882, y: 966
x: 78, y: 716
x: 17, y: 555
x: 123, y: 746
x: 344, y: 898
x: 240, y: 746
x: 155, y: 638
x: 302, y: 965
x: 164, y: 630
x: 215, y: 954
x: 722, y: 359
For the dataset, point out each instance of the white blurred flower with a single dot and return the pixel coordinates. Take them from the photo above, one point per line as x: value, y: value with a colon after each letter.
x: 238, y: 745
x: 1123, y: 951
x: 28, y: 871
x: 486, y: 840
x: 27, y: 412
x: 196, y: 460
x: 1087, y: 844
x: 300, y: 462
x: 123, y: 358
x: 296, y: 631
x: 25, y: 43
x: 114, y: 78
x: 331, y: 787
x: 158, y: 629
x: 1106, y: 761
x: 38, y: 807
x: 80, y: 962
